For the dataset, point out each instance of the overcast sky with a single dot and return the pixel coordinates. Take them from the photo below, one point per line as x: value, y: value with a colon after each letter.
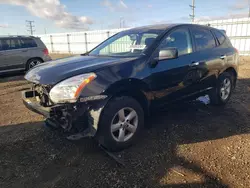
x: 79, y: 15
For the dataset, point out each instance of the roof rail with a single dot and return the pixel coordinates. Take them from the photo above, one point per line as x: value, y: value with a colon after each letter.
x: 7, y: 36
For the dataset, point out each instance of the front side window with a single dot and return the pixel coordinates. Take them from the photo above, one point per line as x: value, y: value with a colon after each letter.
x: 203, y: 39
x: 10, y: 44
x: 127, y: 43
x: 179, y: 39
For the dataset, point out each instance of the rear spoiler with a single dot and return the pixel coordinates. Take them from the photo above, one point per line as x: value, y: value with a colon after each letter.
x: 223, y: 31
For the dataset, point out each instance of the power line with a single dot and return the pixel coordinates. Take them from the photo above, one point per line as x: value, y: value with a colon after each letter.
x: 30, y: 26
x: 192, y: 16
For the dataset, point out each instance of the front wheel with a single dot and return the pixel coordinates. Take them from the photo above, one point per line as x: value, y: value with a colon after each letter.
x: 120, y: 123
x: 221, y: 94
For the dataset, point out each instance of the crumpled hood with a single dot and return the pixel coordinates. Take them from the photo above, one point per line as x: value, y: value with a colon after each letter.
x: 52, y: 72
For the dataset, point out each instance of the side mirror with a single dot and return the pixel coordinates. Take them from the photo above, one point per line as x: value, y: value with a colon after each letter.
x: 169, y: 53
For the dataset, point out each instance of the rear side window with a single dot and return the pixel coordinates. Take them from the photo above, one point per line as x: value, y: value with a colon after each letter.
x: 10, y: 44
x: 27, y: 43
x: 203, y: 39
x: 221, y: 38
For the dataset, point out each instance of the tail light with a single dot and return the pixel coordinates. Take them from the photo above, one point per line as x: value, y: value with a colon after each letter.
x: 46, y: 51
x: 236, y: 50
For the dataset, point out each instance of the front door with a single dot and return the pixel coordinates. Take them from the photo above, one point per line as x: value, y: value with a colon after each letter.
x: 173, y: 79
x: 2, y: 58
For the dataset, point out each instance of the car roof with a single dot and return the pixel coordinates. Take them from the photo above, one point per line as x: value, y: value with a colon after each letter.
x: 168, y: 26
x: 17, y: 36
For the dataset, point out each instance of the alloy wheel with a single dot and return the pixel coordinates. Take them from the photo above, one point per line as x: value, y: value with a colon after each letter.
x: 225, y: 89
x: 124, y: 124
x: 33, y: 63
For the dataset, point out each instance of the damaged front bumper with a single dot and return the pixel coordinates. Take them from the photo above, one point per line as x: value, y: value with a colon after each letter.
x: 80, y: 118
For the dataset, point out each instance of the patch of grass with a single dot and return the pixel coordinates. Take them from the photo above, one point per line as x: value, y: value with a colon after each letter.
x: 58, y: 56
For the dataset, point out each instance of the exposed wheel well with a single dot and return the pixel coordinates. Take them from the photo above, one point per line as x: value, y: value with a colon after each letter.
x: 31, y: 59
x: 138, y: 96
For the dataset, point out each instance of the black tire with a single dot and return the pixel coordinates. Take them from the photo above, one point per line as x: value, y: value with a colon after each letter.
x: 215, y: 95
x: 104, y: 135
x: 30, y: 61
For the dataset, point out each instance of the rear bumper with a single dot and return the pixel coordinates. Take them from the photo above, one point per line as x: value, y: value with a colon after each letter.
x: 47, y: 58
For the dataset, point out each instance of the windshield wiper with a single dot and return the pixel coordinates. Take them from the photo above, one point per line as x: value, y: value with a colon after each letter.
x: 85, y: 54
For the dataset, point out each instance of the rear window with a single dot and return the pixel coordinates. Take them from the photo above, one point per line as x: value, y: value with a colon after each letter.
x: 203, y: 39
x: 28, y: 43
x: 220, y: 36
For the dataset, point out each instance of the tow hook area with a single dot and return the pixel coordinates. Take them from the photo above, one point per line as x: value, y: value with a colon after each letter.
x: 89, y: 132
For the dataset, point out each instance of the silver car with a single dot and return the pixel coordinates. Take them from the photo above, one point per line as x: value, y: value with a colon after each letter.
x: 21, y: 53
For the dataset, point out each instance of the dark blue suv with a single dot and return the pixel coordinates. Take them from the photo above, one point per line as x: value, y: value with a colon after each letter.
x: 107, y: 92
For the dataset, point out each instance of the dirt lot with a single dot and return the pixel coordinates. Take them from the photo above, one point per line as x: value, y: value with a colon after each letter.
x: 189, y: 145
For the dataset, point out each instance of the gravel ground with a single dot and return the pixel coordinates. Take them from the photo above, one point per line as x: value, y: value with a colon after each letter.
x: 188, y: 145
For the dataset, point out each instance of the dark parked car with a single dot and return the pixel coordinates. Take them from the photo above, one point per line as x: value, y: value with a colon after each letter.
x: 19, y: 53
x: 107, y: 92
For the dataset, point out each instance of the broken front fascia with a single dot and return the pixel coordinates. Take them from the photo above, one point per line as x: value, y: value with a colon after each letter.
x: 82, y: 115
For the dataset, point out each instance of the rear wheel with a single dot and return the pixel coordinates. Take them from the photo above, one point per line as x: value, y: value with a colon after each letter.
x: 221, y: 94
x: 120, y: 123
x: 33, y: 62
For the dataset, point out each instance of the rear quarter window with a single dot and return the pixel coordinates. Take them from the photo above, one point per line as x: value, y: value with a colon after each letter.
x: 220, y: 36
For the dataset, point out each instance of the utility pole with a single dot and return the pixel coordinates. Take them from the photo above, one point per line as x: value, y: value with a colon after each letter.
x: 30, y: 26
x: 192, y: 16
x: 249, y: 8
x: 121, y: 22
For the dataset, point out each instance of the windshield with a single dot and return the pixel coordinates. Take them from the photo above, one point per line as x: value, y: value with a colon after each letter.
x: 127, y: 43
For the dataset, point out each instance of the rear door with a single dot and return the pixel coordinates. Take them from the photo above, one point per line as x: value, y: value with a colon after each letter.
x: 208, y: 59
x: 29, y: 49
x: 225, y: 48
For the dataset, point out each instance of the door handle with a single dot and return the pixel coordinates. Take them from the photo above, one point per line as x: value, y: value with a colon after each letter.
x: 194, y: 64
x: 223, y: 57
x: 24, y: 50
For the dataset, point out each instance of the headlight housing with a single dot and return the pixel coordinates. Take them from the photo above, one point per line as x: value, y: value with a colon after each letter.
x: 70, y: 89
